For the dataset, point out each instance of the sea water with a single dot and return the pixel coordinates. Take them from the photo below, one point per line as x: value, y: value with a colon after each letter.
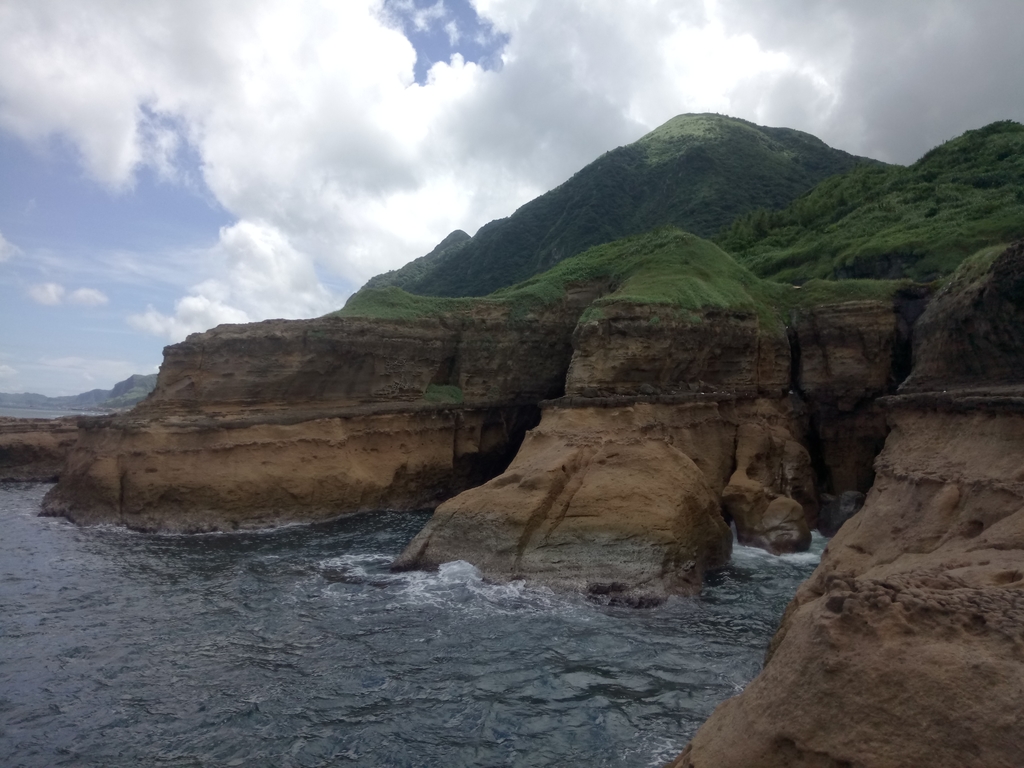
x: 298, y: 647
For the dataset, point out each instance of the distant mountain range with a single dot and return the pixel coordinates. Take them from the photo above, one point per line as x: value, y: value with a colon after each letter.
x: 696, y: 172
x: 124, y: 395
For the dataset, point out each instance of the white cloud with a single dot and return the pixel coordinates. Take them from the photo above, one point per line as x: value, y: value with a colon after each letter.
x: 7, y: 372
x: 52, y: 294
x: 7, y: 250
x: 313, y: 133
x: 264, y: 277
x: 49, y: 294
x: 88, y: 297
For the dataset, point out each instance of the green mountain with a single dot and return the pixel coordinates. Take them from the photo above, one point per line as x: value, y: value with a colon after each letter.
x: 124, y: 394
x: 696, y: 172
x: 879, y: 221
x: 666, y: 267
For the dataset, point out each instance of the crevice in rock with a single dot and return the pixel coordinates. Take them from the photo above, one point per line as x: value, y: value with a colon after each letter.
x: 909, y: 304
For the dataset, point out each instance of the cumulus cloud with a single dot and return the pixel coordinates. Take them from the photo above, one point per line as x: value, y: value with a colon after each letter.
x: 264, y: 277
x: 49, y: 294
x: 312, y: 131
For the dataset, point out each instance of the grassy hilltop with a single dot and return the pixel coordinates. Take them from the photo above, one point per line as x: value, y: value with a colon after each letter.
x: 667, y: 267
x: 696, y: 172
x: 857, y: 234
x: 919, y: 221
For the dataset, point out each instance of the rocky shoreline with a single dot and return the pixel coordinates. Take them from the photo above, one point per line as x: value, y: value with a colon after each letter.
x: 605, y: 452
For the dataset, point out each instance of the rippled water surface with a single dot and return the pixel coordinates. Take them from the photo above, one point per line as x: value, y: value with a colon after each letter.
x: 297, y: 647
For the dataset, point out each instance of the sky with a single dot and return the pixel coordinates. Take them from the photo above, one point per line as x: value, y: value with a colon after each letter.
x: 171, y: 165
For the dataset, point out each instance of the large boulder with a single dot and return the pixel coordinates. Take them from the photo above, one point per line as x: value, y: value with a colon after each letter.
x: 770, y: 469
x: 617, y: 514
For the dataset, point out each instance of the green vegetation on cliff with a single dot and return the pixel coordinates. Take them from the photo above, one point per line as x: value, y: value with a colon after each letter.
x: 889, y: 221
x: 667, y: 267
x: 696, y: 172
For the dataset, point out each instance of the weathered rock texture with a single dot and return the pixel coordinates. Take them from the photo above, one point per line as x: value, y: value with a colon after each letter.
x: 624, y: 499
x: 300, y: 420
x: 845, y: 362
x: 218, y: 474
x: 632, y: 349
x: 972, y: 335
x: 906, y: 646
x: 35, y: 449
x: 771, y: 496
x: 491, y: 357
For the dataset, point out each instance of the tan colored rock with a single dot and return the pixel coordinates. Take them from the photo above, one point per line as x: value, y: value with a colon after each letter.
x: 770, y: 468
x: 587, y: 508
x: 219, y: 474
x: 35, y: 449
x: 905, y: 646
x: 285, y: 421
x: 492, y: 357
x: 633, y: 346
x: 846, y: 351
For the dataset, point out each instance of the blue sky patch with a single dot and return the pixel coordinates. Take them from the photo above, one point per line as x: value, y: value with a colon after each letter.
x: 438, y: 29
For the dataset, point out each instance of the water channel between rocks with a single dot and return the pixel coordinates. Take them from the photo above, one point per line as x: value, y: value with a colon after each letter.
x: 297, y: 647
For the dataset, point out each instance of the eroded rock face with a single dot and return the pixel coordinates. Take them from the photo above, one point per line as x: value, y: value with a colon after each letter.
x: 646, y: 349
x: 35, y: 449
x: 846, y: 354
x: 284, y: 421
x: 491, y: 357
x: 772, y: 470
x: 905, y: 646
x: 221, y: 474
x: 622, y: 501
x: 972, y: 334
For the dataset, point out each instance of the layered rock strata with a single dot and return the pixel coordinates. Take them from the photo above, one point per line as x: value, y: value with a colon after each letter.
x: 207, y: 474
x: 846, y: 356
x: 35, y: 449
x: 905, y: 647
x: 623, y: 498
x: 630, y: 349
x: 287, y: 421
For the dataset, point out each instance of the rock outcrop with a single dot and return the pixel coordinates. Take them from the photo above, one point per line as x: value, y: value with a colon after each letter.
x: 35, y: 449
x: 846, y: 354
x: 771, y: 496
x: 905, y: 647
x: 624, y: 498
x: 254, y: 470
x: 592, y: 504
x: 631, y: 349
x: 283, y: 421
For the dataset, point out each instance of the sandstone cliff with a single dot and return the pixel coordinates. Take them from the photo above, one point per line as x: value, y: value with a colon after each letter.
x: 35, y: 449
x: 621, y: 499
x: 405, y: 402
x: 905, y: 648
